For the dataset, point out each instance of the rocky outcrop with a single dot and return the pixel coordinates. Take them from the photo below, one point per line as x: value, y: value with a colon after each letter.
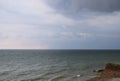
x: 110, y: 73
x: 111, y: 70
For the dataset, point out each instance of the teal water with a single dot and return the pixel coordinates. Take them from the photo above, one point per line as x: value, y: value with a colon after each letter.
x: 53, y: 65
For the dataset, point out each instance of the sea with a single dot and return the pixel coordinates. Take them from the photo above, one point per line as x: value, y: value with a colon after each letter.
x: 54, y: 65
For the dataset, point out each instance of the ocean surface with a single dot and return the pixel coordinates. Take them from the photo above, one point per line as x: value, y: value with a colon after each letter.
x: 53, y: 65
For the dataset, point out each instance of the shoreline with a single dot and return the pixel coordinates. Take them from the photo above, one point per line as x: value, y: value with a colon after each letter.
x: 111, y: 72
x: 104, y: 79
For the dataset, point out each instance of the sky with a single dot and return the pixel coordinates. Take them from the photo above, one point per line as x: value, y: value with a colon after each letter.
x: 59, y: 24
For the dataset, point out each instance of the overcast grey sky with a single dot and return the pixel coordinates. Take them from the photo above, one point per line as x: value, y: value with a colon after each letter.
x: 59, y: 24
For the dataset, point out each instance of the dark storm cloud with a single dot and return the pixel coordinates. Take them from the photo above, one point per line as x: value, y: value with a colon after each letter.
x: 99, y: 5
x: 94, y: 5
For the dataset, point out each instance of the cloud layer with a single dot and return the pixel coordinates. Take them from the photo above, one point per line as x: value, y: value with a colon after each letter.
x: 59, y: 24
x: 77, y: 5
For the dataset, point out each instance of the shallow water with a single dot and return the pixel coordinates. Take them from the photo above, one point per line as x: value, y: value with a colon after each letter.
x: 53, y: 65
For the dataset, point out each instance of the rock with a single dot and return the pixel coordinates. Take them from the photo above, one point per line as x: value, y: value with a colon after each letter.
x: 113, y: 66
x: 101, y: 70
x: 94, y: 70
x: 110, y: 73
x: 111, y: 70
